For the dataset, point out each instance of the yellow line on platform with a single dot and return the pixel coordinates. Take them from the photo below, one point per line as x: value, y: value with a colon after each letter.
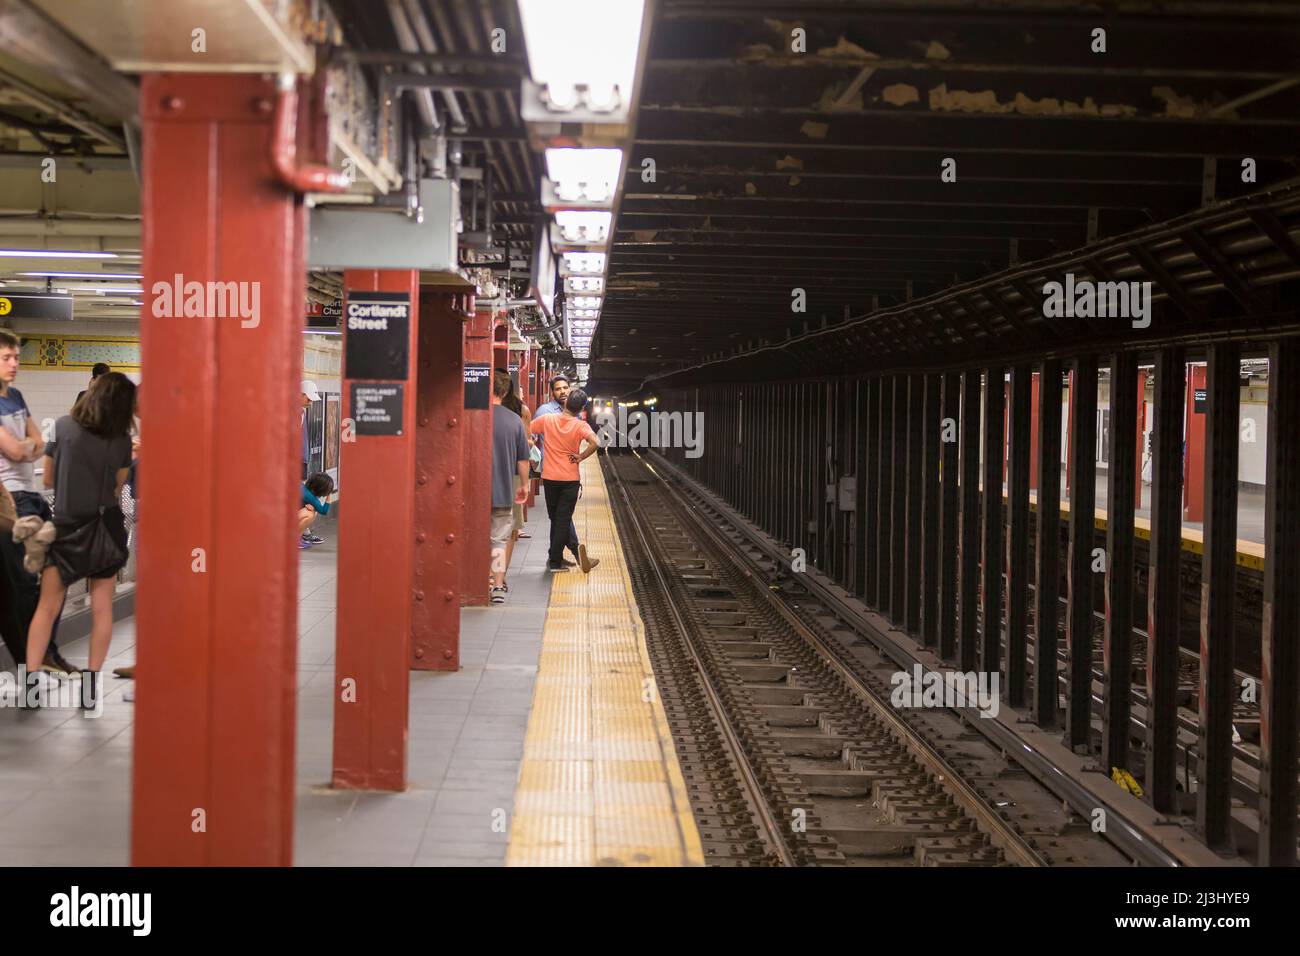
x: 600, y: 784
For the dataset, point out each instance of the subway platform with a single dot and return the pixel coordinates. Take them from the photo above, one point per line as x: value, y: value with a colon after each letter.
x: 543, y: 749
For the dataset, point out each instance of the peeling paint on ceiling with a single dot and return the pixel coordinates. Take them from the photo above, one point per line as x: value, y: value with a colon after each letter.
x: 846, y: 50
x: 900, y: 94
x: 943, y: 99
x: 1184, y: 107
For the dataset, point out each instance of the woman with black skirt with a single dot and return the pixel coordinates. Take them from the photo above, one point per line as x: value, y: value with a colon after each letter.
x: 86, y: 465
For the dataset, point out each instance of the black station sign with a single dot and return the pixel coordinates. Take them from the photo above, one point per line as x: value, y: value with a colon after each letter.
x: 377, y: 341
x: 35, y: 305
x: 377, y: 408
x: 478, y: 385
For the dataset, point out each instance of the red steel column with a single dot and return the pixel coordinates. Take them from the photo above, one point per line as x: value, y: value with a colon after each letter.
x: 1069, y: 434
x: 217, y: 600
x: 439, y: 485
x: 1033, y: 432
x: 375, y: 568
x: 477, y: 469
x: 1194, y: 449
x: 1141, y: 432
x: 501, y: 346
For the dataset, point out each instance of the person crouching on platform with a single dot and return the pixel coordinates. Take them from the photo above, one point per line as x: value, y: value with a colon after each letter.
x: 562, y: 437
x: 86, y: 464
x: 315, y: 490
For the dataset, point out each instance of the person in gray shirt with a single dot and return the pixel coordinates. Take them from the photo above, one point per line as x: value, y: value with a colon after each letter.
x: 509, y: 458
x: 87, y: 464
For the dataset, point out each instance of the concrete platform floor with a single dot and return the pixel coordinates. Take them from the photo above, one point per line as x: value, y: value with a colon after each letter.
x: 65, y: 780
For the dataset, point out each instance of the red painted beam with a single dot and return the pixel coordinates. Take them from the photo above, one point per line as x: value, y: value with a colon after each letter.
x: 441, y: 545
x: 477, y: 469
x: 1141, y: 432
x: 375, y: 569
x: 1194, y: 449
x: 217, y: 599
x: 1033, y: 431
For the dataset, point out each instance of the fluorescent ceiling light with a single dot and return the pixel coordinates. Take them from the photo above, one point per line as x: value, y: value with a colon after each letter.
x: 588, y: 284
x: 587, y: 44
x: 589, y: 226
x: 115, y: 289
x: 585, y: 301
x: 84, y: 275
x: 54, y: 254
x: 584, y: 313
x: 584, y: 175
x: 584, y: 263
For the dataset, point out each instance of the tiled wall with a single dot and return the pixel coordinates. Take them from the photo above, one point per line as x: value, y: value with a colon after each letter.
x: 56, y: 366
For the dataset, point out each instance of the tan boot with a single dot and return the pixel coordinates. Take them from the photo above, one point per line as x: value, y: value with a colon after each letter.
x: 586, y: 562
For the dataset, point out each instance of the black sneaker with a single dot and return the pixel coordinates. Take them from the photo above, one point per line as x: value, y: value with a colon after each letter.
x: 557, y: 568
x: 498, y: 596
x: 568, y: 563
x: 55, y: 664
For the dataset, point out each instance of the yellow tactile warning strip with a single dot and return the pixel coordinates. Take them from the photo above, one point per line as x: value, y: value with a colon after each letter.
x: 600, y: 784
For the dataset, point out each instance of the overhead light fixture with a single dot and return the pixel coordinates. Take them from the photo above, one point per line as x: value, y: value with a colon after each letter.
x: 585, y: 301
x: 583, y: 51
x: 586, y: 284
x: 54, y: 254
x: 584, y: 175
x: 584, y: 313
x: 83, y: 275
x: 115, y: 290
x: 585, y: 227
x: 583, y: 263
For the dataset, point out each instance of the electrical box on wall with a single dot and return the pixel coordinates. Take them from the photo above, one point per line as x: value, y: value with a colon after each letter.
x: 368, y: 239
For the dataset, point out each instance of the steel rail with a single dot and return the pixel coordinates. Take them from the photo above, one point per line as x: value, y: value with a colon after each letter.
x: 1122, y: 832
x: 775, y: 835
x: 1001, y: 834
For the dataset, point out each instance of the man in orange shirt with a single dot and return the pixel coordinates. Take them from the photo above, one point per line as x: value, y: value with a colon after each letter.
x: 562, y: 437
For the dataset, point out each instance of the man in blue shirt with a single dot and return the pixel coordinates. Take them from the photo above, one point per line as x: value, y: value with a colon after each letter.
x: 559, y: 392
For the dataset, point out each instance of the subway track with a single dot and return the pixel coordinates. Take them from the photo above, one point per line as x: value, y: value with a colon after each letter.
x: 791, y: 749
x: 1246, y: 751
